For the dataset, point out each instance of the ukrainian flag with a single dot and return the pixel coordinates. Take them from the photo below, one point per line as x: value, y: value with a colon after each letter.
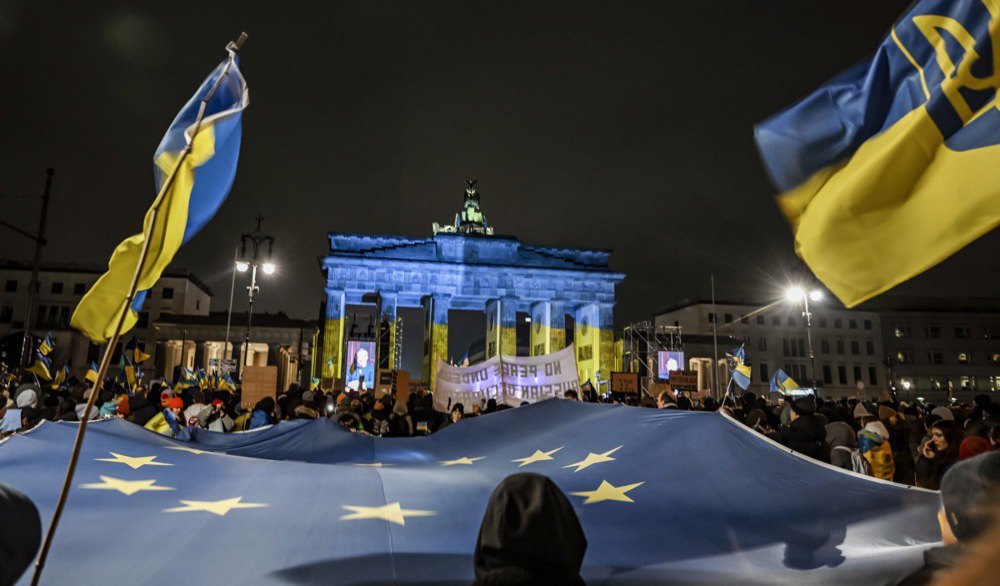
x: 782, y: 383
x: 47, y: 345
x: 135, y: 353
x: 61, y: 376
x: 226, y: 383
x: 92, y: 373
x: 894, y: 165
x: 739, y: 370
x: 41, y: 366
x: 196, y: 188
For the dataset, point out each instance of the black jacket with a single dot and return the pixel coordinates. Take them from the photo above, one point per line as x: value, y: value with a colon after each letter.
x: 935, y: 559
x: 930, y: 471
x: 21, y: 534
x: 806, y: 435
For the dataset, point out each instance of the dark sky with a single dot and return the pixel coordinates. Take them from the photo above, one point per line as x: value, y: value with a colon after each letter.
x: 622, y: 125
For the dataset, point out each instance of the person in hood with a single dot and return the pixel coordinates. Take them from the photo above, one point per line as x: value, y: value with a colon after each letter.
x: 805, y: 433
x: 529, y: 535
x: 970, y: 491
x: 400, y: 423
x: 938, y: 454
x: 307, y: 409
x: 263, y: 413
x: 841, y: 439
x: 21, y: 535
x: 168, y: 421
x: 142, y: 408
x: 873, y: 442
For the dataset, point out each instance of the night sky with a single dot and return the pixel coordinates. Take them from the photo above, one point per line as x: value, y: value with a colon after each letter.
x: 622, y: 125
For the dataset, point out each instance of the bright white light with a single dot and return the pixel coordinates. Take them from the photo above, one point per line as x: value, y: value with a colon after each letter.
x: 242, y: 266
x: 907, y: 385
x: 815, y: 295
x: 527, y: 319
x: 269, y: 268
x: 795, y: 293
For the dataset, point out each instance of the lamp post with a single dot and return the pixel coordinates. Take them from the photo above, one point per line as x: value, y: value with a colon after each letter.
x: 258, y: 256
x: 795, y: 294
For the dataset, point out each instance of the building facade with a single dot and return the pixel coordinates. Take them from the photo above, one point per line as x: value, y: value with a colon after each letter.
x: 847, y: 344
x: 60, y: 288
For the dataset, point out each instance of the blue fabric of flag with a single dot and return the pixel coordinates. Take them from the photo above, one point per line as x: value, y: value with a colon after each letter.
x: 293, y: 503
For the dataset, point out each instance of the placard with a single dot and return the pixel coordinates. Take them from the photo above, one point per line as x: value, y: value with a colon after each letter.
x: 684, y: 381
x: 259, y: 382
x: 625, y: 382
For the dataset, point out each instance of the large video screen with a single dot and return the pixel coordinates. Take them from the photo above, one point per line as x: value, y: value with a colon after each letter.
x: 667, y: 361
x: 359, y: 365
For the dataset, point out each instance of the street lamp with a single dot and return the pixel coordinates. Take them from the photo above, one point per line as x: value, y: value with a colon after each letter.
x: 248, y: 260
x: 796, y: 294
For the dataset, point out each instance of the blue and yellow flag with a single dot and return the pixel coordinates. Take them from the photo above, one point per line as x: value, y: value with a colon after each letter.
x: 134, y: 352
x: 739, y: 370
x: 226, y: 383
x: 894, y: 165
x: 47, y: 345
x: 186, y: 203
x: 41, y: 366
x: 61, y: 376
x: 782, y: 383
x: 92, y: 372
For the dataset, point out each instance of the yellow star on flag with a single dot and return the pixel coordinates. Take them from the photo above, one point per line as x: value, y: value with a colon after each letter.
x: 133, y: 462
x: 592, y: 459
x: 390, y: 512
x: 538, y: 456
x: 466, y: 461
x: 607, y: 492
x: 219, y: 508
x: 126, y: 487
x: 187, y: 449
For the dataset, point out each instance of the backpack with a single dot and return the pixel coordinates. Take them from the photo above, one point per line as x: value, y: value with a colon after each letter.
x: 380, y: 427
x: 858, y: 462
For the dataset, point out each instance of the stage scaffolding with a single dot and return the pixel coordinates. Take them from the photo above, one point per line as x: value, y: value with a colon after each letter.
x: 641, y: 341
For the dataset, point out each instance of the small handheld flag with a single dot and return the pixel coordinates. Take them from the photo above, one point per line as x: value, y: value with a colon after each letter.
x: 92, y: 371
x: 134, y: 352
x: 892, y: 166
x: 194, y: 167
x: 47, y: 344
x: 782, y: 383
x: 60, y: 377
x: 41, y: 367
x: 739, y: 370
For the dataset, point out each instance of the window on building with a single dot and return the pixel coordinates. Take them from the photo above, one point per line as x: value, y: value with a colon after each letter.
x: 995, y: 358
x: 840, y: 346
x: 744, y: 319
x: 775, y: 321
x: 824, y: 346
x: 6, y: 314
x: 57, y: 288
x: 728, y: 318
x: 837, y: 323
x: 168, y: 293
x: 904, y: 356
x: 760, y: 320
x: 791, y: 322
x: 857, y: 374
x: 961, y: 332
x: 40, y: 316
x: 967, y: 383
x: 903, y: 331
x: 762, y: 344
x: 935, y: 357
x: 197, y: 304
x: 855, y: 347
x: 53, y: 318
x: 784, y: 347
x: 79, y: 288
x: 868, y: 324
x: 870, y: 347
x: 822, y: 322
x: 852, y: 324
x: 872, y: 375
x: 995, y: 383
x: 827, y: 375
x: 143, y: 321
x: 842, y: 374
x: 762, y: 367
x: 932, y: 331
x: 964, y: 357
x: 10, y: 286
x: 938, y: 383
x: 64, y: 316
x: 802, y: 347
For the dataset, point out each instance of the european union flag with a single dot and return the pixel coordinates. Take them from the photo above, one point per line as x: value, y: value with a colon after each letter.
x: 209, y: 128
x: 894, y: 165
x: 782, y: 383
x: 307, y: 502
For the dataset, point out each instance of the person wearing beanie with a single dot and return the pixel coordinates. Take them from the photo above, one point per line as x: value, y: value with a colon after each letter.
x: 841, y: 439
x: 938, y: 454
x: 972, y: 447
x: 21, y: 535
x: 873, y: 443
x: 805, y: 432
x: 970, y: 491
x: 27, y: 399
x: 307, y: 409
x: 944, y: 413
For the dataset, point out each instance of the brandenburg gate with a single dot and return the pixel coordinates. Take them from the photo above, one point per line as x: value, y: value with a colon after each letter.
x: 466, y: 266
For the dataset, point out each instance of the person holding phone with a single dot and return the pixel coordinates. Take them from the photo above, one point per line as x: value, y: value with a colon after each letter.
x: 938, y: 453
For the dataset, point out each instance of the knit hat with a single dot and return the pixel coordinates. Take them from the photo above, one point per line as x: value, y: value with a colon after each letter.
x: 860, y: 411
x: 969, y: 491
x: 879, y: 428
x: 804, y: 405
x: 175, y: 403
x: 973, y: 446
x: 943, y: 413
x: 839, y: 433
x: 27, y: 398
x: 885, y: 413
x: 308, y: 397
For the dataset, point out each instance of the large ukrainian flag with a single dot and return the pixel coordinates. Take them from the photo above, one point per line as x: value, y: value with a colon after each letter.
x: 186, y: 203
x: 894, y: 165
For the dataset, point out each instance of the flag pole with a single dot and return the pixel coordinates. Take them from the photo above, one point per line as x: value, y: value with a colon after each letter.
x: 715, y: 343
x: 232, y: 47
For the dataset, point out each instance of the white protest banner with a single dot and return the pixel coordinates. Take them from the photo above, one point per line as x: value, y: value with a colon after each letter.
x: 508, y: 379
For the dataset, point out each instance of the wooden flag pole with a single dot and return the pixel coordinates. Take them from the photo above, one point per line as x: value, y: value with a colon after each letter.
x: 113, y: 342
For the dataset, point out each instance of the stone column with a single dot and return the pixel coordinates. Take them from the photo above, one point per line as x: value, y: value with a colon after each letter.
x: 501, y: 323
x: 594, y: 339
x: 548, y: 327
x: 333, y: 334
x: 389, y: 314
x: 436, y: 334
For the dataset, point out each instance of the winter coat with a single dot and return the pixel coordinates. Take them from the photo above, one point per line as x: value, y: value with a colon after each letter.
x: 936, y: 561
x: 141, y: 410
x: 21, y: 535
x: 807, y: 436
x: 259, y: 419
x: 303, y: 412
x: 930, y: 471
x: 840, y: 434
x: 878, y: 452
